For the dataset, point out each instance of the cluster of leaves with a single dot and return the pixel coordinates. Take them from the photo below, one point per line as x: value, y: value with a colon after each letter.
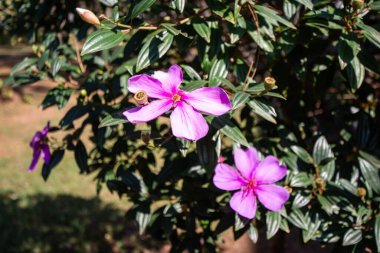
x: 321, y: 122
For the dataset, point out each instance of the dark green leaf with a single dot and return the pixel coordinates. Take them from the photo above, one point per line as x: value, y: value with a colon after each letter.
x: 228, y: 128
x: 56, y: 66
x: 298, y: 219
x: 55, y: 159
x: 300, y: 180
x: 253, y: 233
x: 141, y: 6
x: 377, y: 232
x: 271, y: 15
x: 302, y: 153
x: 355, y: 74
x: 263, y: 109
x: 153, y: 50
x: 307, y: 3
x: 203, y: 30
x: 112, y: 120
x: 352, y: 236
x: 240, y: 98
x: 102, y: 40
x: 370, y: 174
x: 58, y: 96
x: 81, y: 157
x: 371, y: 34
x: 273, y: 223
x: 191, y: 72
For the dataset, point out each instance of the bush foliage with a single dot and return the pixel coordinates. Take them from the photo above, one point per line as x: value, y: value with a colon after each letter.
x: 320, y: 117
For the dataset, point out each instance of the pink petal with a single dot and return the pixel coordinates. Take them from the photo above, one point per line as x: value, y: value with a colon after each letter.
x: 188, y: 123
x: 170, y: 80
x: 148, y: 112
x: 246, y: 161
x: 227, y: 178
x: 46, y: 153
x: 150, y: 85
x: 272, y: 196
x: 210, y: 100
x: 244, y: 203
x: 269, y: 171
x: 36, y: 156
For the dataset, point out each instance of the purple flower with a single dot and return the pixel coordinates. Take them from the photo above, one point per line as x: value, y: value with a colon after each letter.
x: 186, y: 119
x: 254, y: 179
x: 40, y: 147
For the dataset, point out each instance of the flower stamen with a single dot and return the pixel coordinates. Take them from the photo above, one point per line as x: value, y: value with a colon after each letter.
x: 176, y: 98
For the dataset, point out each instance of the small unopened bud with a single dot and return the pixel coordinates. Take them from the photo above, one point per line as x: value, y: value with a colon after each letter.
x: 88, y: 16
x: 362, y: 192
x: 269, y: 83
x: 83, y: 93
x: 320, y: 182
x: 288, y: 188
x: 358, y: 4
x: 141, y: 97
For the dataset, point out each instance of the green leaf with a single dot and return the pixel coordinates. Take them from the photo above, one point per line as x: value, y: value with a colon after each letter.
x: 228, y: 128
x: 153, y: 50
x: 301, y: 179
x: 301, y: 200
x: 348, y: 48
x: 370, y: 174
x: 170, y: 28
x: 102, y: 40
x: 321, y: 150
x: 25, y: 63
x: 218, y: 69
x: 56, y: 66
x: 240, y: 98
x: 55, y: 159
x: 271, y: 15
x: 312, y: 230
x: 140, y: 7
x: 371, y: 34
x: 207, y: 154
x: 370, y: 158
x: 302, y: 154
x: 375, y: 6
x: 273, y: 221
x: 143, y: 219
x: 377, y: 232
x: 73, y: 114
x: 289, y: 9
x: 355, y: 74
x: 58, y: 96
x: 192, y: 73
x: 263, y: 109
x: 352, y: 236
x: 112, y: 120
x: 308, y: 3
x: 180, y: 5
x: 253, y: 233
x: 298, y: 219
x: 202, y: 29
x: 81, y: 157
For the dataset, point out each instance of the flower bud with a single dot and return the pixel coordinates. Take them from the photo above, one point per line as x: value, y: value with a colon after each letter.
x: 88, y: 16
x: 269, y: 83
x: 362, y: 192
x: 141, y: 97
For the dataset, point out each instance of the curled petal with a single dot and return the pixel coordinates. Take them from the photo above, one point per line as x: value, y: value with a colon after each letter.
x: 170, y: 80
x: 244, y: 203
x: 210, y: 100
x: 272, y: 196
x: 227, y: 178
x: 46, y: 153
x: 34, y: 143
x: 150, y: 85
x: 269, y: 171
x: 45, y: 130
x: 188, y: 123
x: 36, y: 156
x: 246, y: 161
x: 148, y: 112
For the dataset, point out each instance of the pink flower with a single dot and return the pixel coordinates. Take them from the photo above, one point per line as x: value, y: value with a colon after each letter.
x: 186, y: 119
x: 40, y: 147
x: 254, y: 179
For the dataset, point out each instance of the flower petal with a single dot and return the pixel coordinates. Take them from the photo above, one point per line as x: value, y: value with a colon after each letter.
x: 46, y: 153
x: 244, y: 203
x: 45, y: 130
x: 188, y: 123
x: 148, y: 112
x: 269, y: 171
x: 210, y: 100
x: 246, y: 161
x: 150, y: 85
x: 272, y: 196
x: 170, y: 80
x: 36, y: 156
x: 35, y: 140
x: 227, y: 178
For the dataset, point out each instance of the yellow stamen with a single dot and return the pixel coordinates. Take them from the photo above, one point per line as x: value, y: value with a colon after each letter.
x: 176, y: 98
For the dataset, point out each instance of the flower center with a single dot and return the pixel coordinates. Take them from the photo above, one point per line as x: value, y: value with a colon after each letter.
x: 250, y: 185
x: 176, y: 98
x: 141, y: 97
